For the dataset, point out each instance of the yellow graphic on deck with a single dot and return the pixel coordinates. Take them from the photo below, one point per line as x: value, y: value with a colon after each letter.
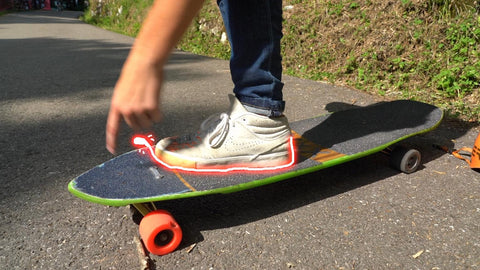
x: 310, y: 150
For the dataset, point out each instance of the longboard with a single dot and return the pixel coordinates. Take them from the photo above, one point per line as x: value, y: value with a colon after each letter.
x: 135, y: 178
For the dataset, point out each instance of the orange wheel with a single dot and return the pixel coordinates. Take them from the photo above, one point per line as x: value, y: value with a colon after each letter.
x: 160, y: 232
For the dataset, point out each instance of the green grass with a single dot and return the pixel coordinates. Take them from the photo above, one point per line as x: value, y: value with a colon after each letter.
x: 422, y: 50
x: 122, y: 16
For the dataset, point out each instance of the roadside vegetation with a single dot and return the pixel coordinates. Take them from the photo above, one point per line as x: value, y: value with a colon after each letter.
x: 406, y: 49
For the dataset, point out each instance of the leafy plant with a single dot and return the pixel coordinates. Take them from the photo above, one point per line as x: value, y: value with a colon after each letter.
x: 423, y: 50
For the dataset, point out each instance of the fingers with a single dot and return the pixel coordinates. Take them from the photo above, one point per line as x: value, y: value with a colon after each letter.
x: 155, y: 115
x: 135, y: 99
x: 113, y: 126
x: 137, y: 121
x: 142, y: 120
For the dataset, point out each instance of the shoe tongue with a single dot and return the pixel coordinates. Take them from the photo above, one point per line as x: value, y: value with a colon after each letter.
x: 236, y: 106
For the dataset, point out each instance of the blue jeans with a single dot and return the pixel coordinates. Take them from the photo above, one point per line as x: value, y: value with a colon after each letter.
x: 254, y: 30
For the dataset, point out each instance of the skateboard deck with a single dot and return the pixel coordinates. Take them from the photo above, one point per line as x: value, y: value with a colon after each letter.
x: 135, y: 178
x: 320, y: 142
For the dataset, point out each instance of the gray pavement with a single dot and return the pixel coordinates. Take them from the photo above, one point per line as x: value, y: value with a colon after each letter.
x: 56, y: 78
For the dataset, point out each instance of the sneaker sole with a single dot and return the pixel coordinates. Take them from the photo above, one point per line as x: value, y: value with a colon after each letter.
x: 267, y: 160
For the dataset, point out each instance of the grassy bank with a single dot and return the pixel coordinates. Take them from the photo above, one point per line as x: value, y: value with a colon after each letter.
x: 422, y: 50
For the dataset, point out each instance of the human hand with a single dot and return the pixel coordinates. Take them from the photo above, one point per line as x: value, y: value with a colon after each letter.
x: 135, y: 98
x: 136, y: 94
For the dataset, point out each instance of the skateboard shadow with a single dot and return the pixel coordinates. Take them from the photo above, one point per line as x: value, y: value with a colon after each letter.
x: 361, y: 129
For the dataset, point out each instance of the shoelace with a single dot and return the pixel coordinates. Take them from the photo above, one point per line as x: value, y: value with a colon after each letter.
x: 216, y: 126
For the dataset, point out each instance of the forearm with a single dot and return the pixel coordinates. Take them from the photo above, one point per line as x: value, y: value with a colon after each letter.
x: 163, y: 28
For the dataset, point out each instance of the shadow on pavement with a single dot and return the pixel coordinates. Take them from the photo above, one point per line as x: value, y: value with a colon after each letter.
x: 55, y: 95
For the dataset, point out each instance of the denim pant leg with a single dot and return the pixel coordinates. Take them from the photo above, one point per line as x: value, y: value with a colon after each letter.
x: 254, y: 29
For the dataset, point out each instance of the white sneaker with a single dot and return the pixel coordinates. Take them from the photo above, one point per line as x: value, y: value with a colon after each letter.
x: 236, y: 138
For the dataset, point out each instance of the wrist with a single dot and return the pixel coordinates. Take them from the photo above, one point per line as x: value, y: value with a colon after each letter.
x: 147, y: 55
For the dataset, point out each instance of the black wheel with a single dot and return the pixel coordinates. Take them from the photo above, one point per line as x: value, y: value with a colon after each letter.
x: 405, y: 159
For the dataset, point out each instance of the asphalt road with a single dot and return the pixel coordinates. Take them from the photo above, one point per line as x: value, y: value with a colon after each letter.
x: 56, y: 78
